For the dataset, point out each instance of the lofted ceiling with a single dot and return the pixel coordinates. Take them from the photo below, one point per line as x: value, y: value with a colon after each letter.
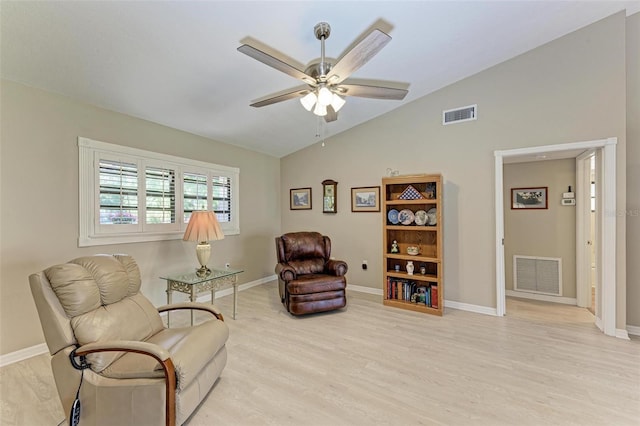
x: 175, y: 62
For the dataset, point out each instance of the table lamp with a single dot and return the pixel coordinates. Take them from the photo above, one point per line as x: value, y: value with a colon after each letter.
x: 203, y: 227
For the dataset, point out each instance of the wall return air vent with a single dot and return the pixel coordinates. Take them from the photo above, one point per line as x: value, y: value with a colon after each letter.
x: 459, y: 115
x: 541, y: 275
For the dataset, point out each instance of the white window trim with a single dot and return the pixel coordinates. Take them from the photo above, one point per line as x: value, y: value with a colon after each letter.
x: 89, y: 230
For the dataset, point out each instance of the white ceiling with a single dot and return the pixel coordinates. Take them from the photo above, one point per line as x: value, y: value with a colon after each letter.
x: 175, y: 63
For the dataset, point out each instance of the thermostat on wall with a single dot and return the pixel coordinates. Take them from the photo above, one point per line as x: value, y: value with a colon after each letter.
x: 568, y: 201
x: 568, y: 194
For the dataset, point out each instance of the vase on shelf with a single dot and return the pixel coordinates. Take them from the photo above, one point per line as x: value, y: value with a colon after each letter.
x: 410, y: 267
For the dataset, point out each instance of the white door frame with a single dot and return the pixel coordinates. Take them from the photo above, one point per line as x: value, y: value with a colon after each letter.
x: 607, y: 234
x: 583, y: 230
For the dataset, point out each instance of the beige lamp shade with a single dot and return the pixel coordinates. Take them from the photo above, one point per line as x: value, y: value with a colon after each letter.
x: 203, y: 227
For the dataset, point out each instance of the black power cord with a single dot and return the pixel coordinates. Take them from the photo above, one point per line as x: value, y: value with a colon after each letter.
x: 74, y: 415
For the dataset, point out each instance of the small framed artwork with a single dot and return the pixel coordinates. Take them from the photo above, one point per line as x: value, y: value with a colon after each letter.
x: 365, y: 199
x: 300, y: 199
x: 529, y: 198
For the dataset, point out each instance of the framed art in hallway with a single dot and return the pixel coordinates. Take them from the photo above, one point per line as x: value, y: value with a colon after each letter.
x: 365, y: 199
x: 529, y: 198
x: 300, y: 199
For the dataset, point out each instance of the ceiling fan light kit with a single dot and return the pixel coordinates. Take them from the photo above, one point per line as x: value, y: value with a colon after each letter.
x: 327, y: 82
x: 322, y: 100
x: 308, y: 100
x: 320, y: 109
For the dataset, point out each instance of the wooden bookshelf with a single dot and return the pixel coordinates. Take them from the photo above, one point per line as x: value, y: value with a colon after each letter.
x: 402, y: 198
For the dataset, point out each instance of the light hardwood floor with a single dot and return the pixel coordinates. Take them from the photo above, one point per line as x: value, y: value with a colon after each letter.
x: 542, y: 364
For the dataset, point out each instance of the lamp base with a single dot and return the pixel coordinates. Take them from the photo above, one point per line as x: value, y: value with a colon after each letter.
x: 203, y: 271
x: 203, y: 251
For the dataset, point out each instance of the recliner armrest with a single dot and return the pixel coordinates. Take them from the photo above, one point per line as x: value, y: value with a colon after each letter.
x: 285, y: 272
x: 337, y: 267
x: 146, y: 348
x: 160, y: 354
x: 194, y: 306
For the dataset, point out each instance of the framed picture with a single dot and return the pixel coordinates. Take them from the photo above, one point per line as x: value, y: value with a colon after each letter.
x: 529, y: 198
x: 365, y: 199
x: 300, y: 199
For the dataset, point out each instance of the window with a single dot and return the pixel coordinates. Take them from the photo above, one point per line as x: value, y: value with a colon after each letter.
x: 195, y: 194
x: 118, y: 192
x: 130, y: 195
x: 160, y: 187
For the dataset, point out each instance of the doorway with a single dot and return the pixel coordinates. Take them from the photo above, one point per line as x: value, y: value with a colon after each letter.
x: 605, y: 226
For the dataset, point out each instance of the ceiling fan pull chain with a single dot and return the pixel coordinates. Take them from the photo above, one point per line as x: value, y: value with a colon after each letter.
x: 319, y: 133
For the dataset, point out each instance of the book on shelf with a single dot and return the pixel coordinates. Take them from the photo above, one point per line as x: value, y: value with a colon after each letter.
x: 434, y: 295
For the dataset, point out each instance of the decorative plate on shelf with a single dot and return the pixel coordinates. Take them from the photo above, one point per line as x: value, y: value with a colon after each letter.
x: 421, y: 217
x: 393, y: 216
x: 405, y: 217
x: 432, y: 214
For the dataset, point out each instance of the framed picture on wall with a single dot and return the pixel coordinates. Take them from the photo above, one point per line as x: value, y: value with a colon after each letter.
x: 300, y: 199
x: 529, y: 198
x: 365, y: 199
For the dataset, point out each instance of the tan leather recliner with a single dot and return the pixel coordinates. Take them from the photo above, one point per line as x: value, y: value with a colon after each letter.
x: 141, y: 373
x: 309, y: 280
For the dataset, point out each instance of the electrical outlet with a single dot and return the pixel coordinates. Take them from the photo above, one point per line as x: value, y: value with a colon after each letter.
x: 364, y: 265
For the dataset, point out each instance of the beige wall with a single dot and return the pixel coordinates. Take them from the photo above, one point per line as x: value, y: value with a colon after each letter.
x: 541, y: 233
x: 572, y: 89
x: 39, y: 199
x: 633, y: 170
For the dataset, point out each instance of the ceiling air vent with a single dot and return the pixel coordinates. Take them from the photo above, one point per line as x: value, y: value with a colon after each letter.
x: 458, y: 115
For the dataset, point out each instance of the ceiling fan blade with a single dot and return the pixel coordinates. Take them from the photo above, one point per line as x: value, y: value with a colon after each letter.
x: 277, y: 63
x: 284, y: 95
x: 375, y: 92
x: 331, y: 115
x: 359, y: 55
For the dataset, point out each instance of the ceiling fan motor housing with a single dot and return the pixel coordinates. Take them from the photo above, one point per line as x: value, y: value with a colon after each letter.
x: 319, y: 71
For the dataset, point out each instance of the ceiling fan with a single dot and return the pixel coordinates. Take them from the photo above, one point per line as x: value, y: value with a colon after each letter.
x: 326, y: 82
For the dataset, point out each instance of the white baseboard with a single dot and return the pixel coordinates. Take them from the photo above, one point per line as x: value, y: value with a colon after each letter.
x: 485, y: 310
x: 622, y: 334
x: 447, y: 303
x: 22, y: 354
x: 363, y: 289
x: 634, y: 330
x: 542, y: 297
x: 242, y: 287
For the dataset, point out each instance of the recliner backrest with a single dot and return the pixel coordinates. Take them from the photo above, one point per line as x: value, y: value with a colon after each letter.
x: 306, y: 252
x: 98, y: 298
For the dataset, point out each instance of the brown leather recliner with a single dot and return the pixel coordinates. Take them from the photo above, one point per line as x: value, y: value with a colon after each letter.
x: 141, y: 373
x: 308, y: 280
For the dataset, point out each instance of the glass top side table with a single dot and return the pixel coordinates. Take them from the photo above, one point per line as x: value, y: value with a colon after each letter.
x: 192, y: 284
